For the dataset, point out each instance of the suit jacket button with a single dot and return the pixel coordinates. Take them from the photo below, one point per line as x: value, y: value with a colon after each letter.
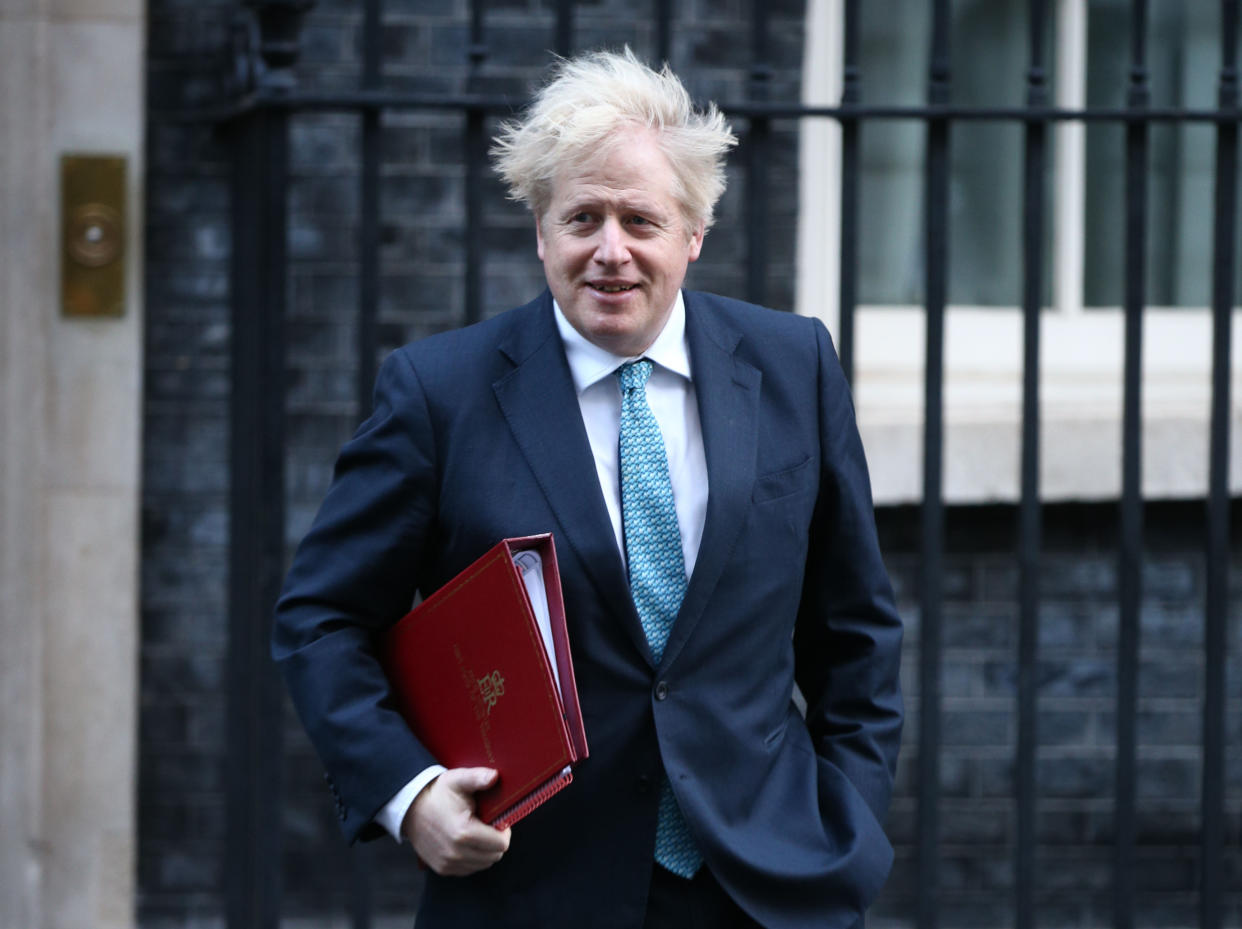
x: 661, y: 690
x: 642, y: 784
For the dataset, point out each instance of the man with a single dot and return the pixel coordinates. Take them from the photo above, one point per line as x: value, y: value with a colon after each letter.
x: 697, y: 461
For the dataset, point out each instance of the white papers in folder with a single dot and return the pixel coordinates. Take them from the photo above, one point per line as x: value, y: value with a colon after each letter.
x: 531, y: 566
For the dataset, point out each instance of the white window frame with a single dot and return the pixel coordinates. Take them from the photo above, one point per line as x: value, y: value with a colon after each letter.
x: 1081, y: 363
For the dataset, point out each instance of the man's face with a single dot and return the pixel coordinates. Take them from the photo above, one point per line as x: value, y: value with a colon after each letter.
x: 615, y: 246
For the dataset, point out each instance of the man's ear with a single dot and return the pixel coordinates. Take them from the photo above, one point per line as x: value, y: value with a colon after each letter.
x: 539, y: 237
x: 696, y: 242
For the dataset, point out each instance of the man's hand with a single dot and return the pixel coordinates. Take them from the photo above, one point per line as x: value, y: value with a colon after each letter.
x: 443, y: 829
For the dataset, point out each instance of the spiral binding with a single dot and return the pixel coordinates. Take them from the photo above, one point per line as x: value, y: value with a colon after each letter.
x: 521, y: 808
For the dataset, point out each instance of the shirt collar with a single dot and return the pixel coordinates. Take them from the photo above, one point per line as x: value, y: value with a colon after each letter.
x: 589, y: 363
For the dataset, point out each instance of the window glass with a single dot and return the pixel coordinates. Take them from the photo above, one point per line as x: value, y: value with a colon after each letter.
x: 989, y: 54
x: 1183, y: 51
x: 990, y: 59
x: 893, y: 55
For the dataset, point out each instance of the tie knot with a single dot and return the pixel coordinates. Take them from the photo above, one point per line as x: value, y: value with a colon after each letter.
x: 634, y: 374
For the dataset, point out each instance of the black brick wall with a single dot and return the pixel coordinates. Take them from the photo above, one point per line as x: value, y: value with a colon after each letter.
x: 185, y: 479
x: 185, y: 472
x: 1077, y: 717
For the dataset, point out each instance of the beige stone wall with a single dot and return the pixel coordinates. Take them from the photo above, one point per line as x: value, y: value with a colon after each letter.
x: 71, y: 79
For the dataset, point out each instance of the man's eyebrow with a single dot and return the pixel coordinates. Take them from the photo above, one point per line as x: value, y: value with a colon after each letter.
x: 632, y: 201
x: 646, y: 206
x: 626, y: 205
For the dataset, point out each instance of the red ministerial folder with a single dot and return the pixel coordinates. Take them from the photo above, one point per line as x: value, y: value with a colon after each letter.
x: 472, y: 675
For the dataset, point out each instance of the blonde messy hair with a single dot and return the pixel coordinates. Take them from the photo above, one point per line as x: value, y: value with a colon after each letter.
x: 576, y: 116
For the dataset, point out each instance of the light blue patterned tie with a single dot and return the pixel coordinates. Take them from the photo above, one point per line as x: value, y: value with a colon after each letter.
x: 657, y: 569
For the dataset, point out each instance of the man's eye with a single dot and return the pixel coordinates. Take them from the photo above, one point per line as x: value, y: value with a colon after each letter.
x: 581, y: 218
x: 639, y: 221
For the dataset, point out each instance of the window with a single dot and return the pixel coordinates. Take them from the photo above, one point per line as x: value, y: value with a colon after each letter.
x: 1081, y: 366
x: 1184, y: 67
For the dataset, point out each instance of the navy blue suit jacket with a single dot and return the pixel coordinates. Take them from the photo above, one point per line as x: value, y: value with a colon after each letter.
x: 476, y: 435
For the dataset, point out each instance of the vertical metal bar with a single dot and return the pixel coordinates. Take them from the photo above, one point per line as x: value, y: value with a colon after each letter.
x: 475, y: 144
x: 1215, y: 638
x: 851, y: 95
x: 478, y: 49
x: 936, y: 245
x: 564, y: 27
x: 252, y: 873
x: 664, y: 30
x: 369, y: 246
x: 358, y: 863
x: 1034, y: 183
x: 475, y: 158
x: 758, y: 145
x: 1131, y: 542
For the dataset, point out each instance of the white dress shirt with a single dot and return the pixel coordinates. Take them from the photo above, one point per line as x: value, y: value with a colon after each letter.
x: 671, y: 396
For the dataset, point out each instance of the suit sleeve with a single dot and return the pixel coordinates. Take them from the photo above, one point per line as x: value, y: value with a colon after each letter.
x: 353, y: 575
x: 847, y: 640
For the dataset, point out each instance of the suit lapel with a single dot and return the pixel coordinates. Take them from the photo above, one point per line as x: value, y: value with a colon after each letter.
x: 540, y: 405
x: 727, y: 389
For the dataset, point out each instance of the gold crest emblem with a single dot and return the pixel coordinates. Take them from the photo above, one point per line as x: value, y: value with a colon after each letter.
x: 491, y: 689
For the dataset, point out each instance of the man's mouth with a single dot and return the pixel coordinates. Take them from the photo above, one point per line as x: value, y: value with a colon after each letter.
x: 612, y: 288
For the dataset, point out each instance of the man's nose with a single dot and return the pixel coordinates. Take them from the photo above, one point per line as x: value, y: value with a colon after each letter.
x: 610, y: 247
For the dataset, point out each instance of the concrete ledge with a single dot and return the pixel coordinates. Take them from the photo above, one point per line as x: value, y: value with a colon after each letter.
x: 1081, y: 390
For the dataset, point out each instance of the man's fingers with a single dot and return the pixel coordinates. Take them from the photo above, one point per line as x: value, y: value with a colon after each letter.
x: 477, y: 836
x: 444, y: 830
x: 476, y: 848
x: 506, y: 834
x: 486, y: 839
x: 469, y: 780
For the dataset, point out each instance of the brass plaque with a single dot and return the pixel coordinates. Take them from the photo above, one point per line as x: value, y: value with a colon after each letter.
x: 93, y: 233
